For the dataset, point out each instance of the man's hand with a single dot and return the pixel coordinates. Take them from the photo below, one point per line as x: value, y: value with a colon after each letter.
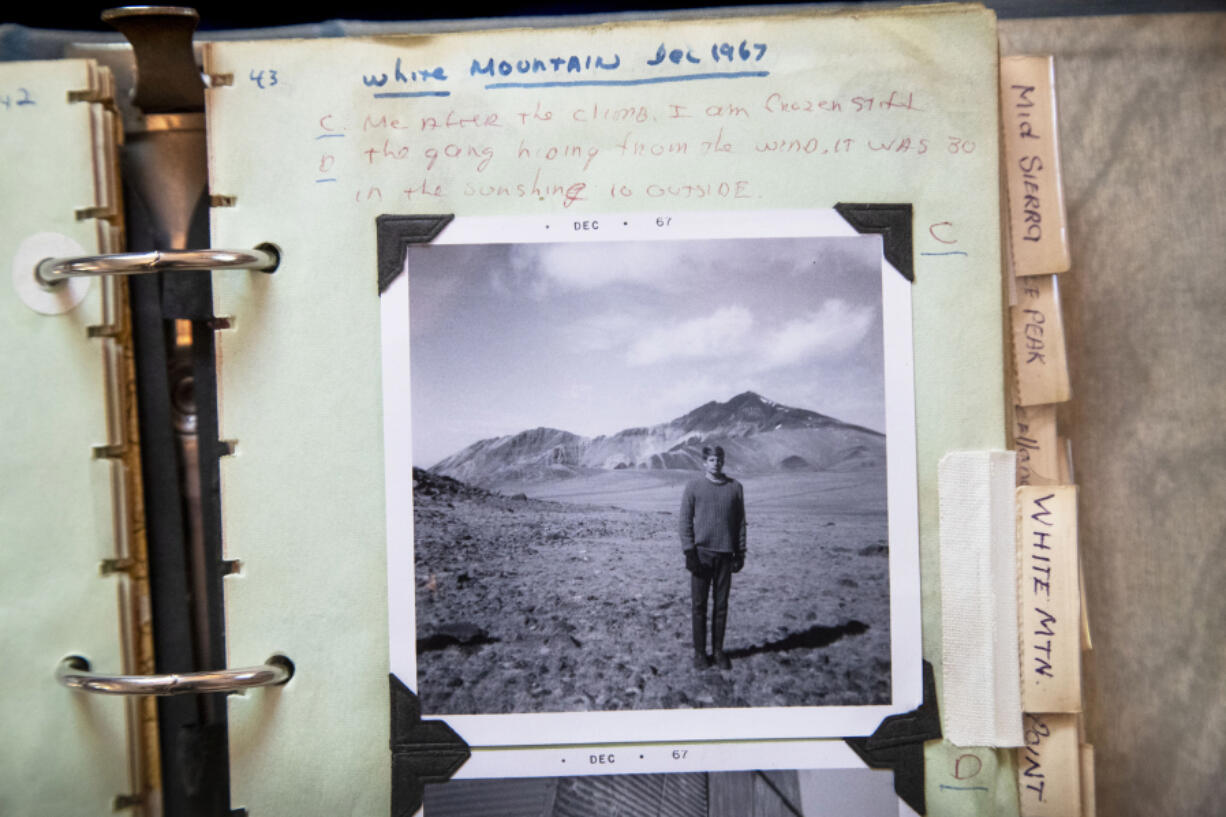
x: 738, y: 561
x: 691, y: 560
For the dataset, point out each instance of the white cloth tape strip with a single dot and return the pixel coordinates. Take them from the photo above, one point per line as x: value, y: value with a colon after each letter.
x: 981, y: 704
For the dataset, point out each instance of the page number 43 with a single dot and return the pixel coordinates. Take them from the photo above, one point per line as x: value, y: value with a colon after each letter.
x: 263, y: 79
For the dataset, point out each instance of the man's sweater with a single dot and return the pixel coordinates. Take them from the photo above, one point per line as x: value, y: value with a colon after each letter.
x: 713, y: 516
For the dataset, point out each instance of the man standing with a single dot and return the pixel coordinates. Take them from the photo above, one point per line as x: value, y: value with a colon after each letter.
x: 713, y: 541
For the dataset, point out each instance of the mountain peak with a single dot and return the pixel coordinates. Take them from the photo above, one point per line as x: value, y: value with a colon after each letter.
x: 747, y: 413
x: 749, y: 397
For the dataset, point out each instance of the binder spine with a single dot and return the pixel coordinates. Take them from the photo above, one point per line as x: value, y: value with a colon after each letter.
x: 155, y: 338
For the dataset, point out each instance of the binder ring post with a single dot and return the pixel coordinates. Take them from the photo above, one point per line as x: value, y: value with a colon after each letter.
x: 51, y: 271
x: 74, y: 673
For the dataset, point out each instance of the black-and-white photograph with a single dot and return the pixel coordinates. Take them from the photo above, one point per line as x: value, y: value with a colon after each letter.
x: 763, y: 793
x: 650, y: 475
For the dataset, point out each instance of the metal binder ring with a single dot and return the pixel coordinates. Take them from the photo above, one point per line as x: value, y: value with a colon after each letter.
x: 74, y: 673
x: 50, y: 271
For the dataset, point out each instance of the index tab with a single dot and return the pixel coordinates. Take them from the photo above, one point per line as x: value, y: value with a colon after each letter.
x: 1035, y: 440
x: 1048, y: 767
x: 1050, y: 598
x: 1038, y: 225
x: 1039, y: 351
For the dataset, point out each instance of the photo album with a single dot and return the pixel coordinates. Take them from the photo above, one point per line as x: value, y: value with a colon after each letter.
x: 583, y: 446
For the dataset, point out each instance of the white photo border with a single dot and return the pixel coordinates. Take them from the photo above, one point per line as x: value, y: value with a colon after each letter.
x: 638, y: 726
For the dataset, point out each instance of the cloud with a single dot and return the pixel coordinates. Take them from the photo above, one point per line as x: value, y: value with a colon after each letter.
x: 583, y: 266
x: 833, y: 329
x: 729, y: 335
x: 720, y: 334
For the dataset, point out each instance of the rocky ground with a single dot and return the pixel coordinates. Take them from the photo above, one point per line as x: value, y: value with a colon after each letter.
x: 530, y: 605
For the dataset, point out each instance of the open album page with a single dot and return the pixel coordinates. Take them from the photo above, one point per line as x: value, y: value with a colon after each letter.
x: 640, y: 448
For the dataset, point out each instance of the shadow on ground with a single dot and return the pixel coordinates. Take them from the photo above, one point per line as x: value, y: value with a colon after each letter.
x: 459, y: 635
x: 816, y: 636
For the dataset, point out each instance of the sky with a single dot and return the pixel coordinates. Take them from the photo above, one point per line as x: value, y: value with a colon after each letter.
x: 593, y: 338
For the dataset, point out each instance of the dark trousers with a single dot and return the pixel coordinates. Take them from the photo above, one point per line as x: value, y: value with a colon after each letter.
x: 714, y: 571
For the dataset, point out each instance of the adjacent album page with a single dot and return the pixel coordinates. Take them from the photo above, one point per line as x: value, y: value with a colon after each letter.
x: 64, y: 512
x: 778, y: 236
